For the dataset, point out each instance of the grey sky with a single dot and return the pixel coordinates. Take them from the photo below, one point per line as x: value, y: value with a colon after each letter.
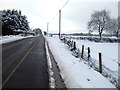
x: 75, y: 14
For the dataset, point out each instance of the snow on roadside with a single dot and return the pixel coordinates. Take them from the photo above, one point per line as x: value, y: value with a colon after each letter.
x: 10, y: 38
x: 75, y: 73
x: 51, y: 79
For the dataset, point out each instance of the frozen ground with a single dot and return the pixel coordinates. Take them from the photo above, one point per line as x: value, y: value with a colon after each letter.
x: 75, y: 73
x: 10, y: 38
x: 109, y: 52
x: 109, y: 57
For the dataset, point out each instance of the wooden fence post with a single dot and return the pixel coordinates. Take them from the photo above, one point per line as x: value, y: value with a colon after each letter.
x: 88, y: 53
x: 74, y: 45
x: 100, y: 63
x: 82, y: 51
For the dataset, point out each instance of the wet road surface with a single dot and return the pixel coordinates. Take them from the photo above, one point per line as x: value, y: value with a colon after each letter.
x: 24, y: 64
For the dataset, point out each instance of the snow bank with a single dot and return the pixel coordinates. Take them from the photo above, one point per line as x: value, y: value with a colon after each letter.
x: 75, y: 73
x: 10, y: 38
x: 49, y: 63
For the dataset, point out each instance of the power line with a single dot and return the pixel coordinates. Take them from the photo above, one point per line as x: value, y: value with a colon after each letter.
x: 65, y: 4
x: 59, y: 18
x: 58, y: 12
x: 53, y: 17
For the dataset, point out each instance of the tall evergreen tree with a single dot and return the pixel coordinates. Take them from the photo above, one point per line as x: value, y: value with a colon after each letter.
x: 14, y: 22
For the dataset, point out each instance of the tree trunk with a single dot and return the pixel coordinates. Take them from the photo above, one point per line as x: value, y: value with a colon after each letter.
x: 117, y: 34
x: 100, y: 35
x: 100, y: 32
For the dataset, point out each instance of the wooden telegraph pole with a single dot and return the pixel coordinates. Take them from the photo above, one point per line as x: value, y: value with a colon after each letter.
x: 59, y: 23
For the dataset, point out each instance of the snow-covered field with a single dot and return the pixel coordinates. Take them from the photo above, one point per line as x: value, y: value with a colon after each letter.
x: 109, y: 52
x: 10, y: 38
x: 74, y: 71
x: 109, y: 56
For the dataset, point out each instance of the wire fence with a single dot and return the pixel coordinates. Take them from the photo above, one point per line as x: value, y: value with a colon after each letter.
x: 86, y: 57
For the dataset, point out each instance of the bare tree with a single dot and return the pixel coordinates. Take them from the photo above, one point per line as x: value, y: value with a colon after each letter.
x: 118, y: 30
x: 114, y: 26
x: 99, y: 21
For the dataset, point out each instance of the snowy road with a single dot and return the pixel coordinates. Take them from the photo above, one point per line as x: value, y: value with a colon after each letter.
x: 24, y: 64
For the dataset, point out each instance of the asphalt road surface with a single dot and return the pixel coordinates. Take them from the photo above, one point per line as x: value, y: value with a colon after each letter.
x: 24, y: 64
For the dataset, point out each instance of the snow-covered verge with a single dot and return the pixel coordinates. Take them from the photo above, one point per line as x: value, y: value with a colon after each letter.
x: 10, y: 38
x: 109, y: 66
x: 51, y: 78
x: 74, y: 71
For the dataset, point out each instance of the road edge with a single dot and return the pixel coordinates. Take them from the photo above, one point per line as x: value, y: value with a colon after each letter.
x: 50, y: 72
x: 58, y: 80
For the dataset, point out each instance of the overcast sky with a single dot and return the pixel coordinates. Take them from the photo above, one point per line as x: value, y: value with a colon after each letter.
x: 75, y: 14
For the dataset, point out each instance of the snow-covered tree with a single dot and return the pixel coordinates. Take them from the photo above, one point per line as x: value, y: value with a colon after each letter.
x: 37, y: 31
x: 14, y: 22
x: 99, y: 21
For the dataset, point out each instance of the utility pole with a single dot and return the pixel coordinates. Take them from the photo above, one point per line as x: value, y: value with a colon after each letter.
x: 47, y: 27
x: 59, y: 23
